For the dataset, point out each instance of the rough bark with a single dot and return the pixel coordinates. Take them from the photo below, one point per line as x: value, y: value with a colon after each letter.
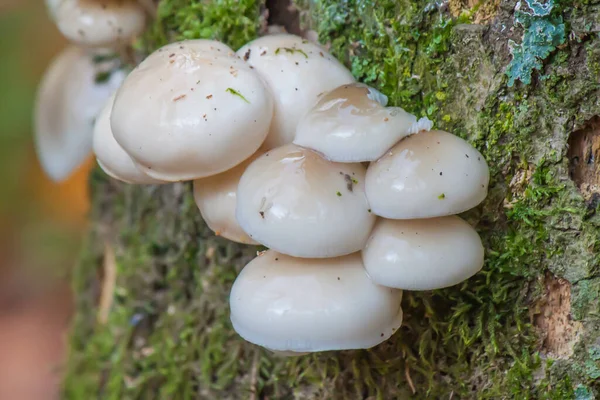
x: 518, y: 80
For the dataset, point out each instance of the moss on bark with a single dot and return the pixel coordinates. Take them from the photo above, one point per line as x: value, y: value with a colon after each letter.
x: 168, y: 333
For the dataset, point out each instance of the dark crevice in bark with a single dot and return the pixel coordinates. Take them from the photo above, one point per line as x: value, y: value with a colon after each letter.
x: 584, y: 158
x: 284, y: 13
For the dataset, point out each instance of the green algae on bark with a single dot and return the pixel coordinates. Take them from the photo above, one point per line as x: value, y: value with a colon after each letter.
x: 168, y: 334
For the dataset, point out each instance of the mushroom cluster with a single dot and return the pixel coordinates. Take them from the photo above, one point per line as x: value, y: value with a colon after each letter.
x: 354, y: 199
x: 80, y: 80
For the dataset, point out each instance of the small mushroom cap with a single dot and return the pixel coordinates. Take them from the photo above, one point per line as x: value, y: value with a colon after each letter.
x: 422, y: 254
x: 93, y: 23
x: 111, y: 157
x: 295, y: 202
x: 190, y: 110
x: 296, y: 71
x: 216, y: 197
x: 291, y: 304
x: 352, y: 124
x: 430, y: 174
x: 68, y: 102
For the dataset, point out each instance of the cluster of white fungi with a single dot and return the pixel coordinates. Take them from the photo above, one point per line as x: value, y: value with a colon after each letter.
x: 354, y: 199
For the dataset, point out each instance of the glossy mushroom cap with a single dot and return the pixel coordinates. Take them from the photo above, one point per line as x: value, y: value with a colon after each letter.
x: 352, y: 124
x: 111, y: 157
x: 190, y: 110
x: 422, y: 254
x: 296, y: 71
x: 290, y: 304
x: 98, y: 23
x: 430, y: 174
x: 216, y: 197
x: 69, y: 99
x: 297, y: 203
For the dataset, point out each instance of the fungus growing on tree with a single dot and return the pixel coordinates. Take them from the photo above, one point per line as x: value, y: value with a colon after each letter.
x: 111, y: 157
x: 296, y: 72
x: 422, y: 254
x: 351, y: 123
x: 216, y: 197
x: 69, y: 99
x: 98, y: 23
x: 292, y: 304
x: 331, y: 280
x: 190, y: 110
x: 430, y: 174
x: 296, y: 202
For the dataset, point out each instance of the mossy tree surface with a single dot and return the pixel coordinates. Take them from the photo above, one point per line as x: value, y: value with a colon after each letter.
x: 515, y: 79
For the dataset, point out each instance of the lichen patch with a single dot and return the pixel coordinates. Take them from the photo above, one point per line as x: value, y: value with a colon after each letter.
x: 553, y: 319
x: 584, y: 158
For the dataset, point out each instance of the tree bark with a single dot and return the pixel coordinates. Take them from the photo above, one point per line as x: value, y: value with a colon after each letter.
x: 520, y: 81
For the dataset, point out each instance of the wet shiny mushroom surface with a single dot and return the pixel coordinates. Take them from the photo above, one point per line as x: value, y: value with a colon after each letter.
x: 355, y: 198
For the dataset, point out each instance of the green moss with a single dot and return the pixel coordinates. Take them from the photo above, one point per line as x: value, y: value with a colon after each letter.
x: 169, y: 335
x: 238, y: 94
x: 234, y: 22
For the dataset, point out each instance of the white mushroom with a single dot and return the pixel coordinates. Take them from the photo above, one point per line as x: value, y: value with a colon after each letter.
x: 69, y: 99
x: 300, y: 204
x: 110, y: 156
x: 192, y: 109
x: 427, y: 175
x: 298, y: 305
x: 352, y: 124
x: 98, y: 23
x: 422, y: 254
x: 216, y: 199
x: 296, y: 71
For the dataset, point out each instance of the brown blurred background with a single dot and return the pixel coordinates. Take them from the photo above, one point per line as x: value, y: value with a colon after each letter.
x: 41, y: 223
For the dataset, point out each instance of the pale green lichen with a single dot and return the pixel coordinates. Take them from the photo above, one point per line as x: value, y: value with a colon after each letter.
x: 543, y: 33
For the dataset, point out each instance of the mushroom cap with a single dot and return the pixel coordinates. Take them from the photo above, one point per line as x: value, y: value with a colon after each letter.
x: 296, y: 71
x: 352, y: 124
x: 190, y: 110
x: 105, y: 23
x: 297, y: 203
x: 68, y: 102
x: 110, y: 156
x: 422, y: 254
x: 216, y: 198
x: 299, y: 305
x: 431, y: 174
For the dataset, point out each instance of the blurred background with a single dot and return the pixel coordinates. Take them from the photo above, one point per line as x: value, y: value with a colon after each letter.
x: 41, y: 223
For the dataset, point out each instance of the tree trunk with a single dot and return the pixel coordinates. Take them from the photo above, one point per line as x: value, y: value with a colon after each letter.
x: 520, y: 81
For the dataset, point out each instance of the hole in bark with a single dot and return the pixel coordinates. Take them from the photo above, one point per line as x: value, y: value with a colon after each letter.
x: 554, y: 318
x: 584, y: 158
x: 284, y: 13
